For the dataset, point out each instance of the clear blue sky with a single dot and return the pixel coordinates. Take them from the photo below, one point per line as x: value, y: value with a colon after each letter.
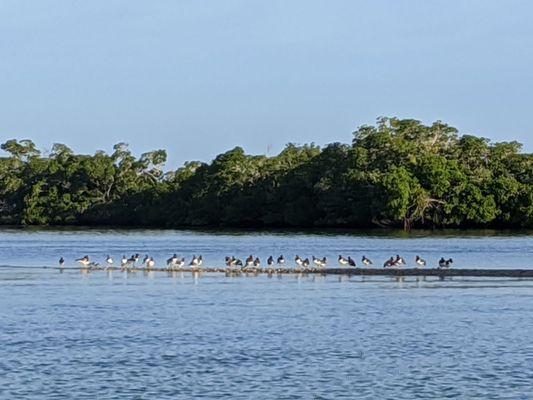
x: 199, y: 77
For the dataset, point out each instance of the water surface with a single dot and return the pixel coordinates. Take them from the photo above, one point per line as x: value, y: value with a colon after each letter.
x: 181, y: 336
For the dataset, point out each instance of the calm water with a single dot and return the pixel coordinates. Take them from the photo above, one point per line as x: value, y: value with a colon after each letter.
x: 155, y: 336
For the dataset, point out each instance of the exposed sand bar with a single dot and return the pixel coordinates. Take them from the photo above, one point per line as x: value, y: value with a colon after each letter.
x: 439, y: 272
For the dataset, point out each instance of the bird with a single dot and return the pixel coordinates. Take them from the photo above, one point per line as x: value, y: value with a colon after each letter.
x: 180, y: 263
x: 150, y: 263
x: 123, y: 261
x: 420, y: 261
x: 84, y: 261
x: 257, y: 262
x: 281, y: 260
x: 442, y: 262
x: 317, y: 262
x: 195, y: 261
x: 172, y: 261
x: 449, y: 263
x: 351, y: 262
x: 389, y: 263
x: 298, y: 260
x: 342, y: 260
x: 399, y: 260
x: 145, y: 259
x: 61, y: 262
x: 366, y: 261
x: 270, y: 261
x: 324, y: 261
x: 249, y: 261
x: 109, y: 260
x: 305, y: 263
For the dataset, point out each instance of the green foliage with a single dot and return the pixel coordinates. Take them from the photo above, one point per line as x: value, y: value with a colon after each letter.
x: 398, y: 173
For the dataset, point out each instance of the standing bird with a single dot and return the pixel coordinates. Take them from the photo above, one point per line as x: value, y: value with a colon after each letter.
x: 270, y: 261
x: 109, y: 260
x: 351, y: 262
x: 449, y: 263
x: 84, y: 261
x: 420, y: 261
x: 257, y: 262
x: 366, y: 261
x: 123, y: 261
x: 61, y: 262
x: 150, y: 263
x: 342, y: 260
x: 145, y: 259
x: 399, y: 260
x: 172, y: 261
x: 389, y: 263
x: 298, y: 260
x: 249, y: 261
x: 305, y: 263
x: 442, y: 262
x: 281, y: 260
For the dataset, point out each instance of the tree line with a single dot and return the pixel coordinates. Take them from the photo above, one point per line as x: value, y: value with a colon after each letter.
x: 398, y: 173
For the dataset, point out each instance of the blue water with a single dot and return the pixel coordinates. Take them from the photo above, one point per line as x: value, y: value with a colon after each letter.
x: 180, y: 336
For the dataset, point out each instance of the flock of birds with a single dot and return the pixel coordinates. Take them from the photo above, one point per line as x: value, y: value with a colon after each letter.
x: 251, y: 262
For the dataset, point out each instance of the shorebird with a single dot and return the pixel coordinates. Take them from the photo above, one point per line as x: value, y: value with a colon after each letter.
x: 196, y: 261
x: 445, y: 263
x: 317, y: 261
x: 281, y: 260
x: 123, y: 261
x: 399, y: 260
x: 61, y: 262
x: 351, y: 262
x: 109, y: 260
x: 389, y: 263
x: 249, y: 261
x: 150, y: 263
x: 366, y: 261
x: 84, y: 261
x: 420, y: 261
x: 342, y: 260
x: 257, y: 262
x: 145, y: 259
x: 172, y: 261
x: 270, y: 261
x: 305, y: 263
x: 298, y: 260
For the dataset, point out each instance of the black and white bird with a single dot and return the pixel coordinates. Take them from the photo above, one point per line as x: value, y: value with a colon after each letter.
x: 270, y: 261
x: 305, y: 263
x: 399, y: 261
x: 84, y: 261
x: 172, y: 261
x: 249, y: 261
x: 196, y: 261
x: 366, y: 261
x: 150, y: 263
x: 299, y: 260
x: 342, y: 260
x: 257, y: 262
x: 445, y: 263
x: 281, y: 260
x: 351, y: 262
x: 61, y: 262
x: 420, y: 261
x: 109, y: 260
x: 389, y: 263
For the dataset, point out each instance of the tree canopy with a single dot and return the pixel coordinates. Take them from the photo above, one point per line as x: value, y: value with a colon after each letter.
x: 397, y: 173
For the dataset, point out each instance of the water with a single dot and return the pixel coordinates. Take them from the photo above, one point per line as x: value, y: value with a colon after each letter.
x: 155, y: 336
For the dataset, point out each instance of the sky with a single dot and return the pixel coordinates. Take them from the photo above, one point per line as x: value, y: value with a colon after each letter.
x: 200, y: 77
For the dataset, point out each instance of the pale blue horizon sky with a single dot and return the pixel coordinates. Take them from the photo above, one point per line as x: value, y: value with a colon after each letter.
x: 200, y: 77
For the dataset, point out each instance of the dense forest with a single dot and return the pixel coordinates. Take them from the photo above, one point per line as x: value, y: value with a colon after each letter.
x: 398, y: 174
